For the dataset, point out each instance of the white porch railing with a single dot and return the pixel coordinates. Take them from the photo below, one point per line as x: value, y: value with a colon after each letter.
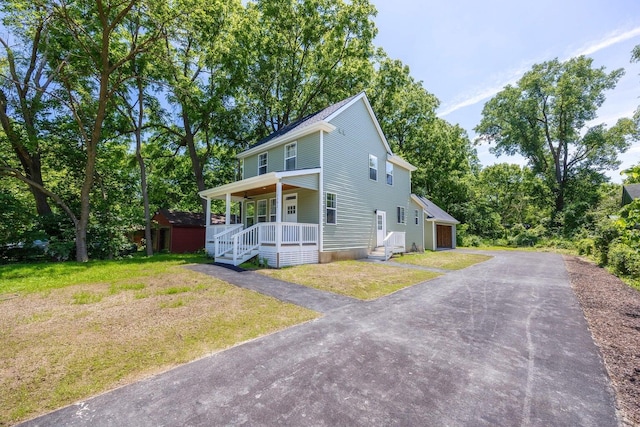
x: 245, y: 242
x: 222, y: 237
x: 214, y: 230
x: 293, y: 233
x: 237, y: 245
x: 394, y: 243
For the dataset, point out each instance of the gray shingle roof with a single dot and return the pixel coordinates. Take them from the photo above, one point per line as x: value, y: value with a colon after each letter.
x: 316, y: 117
x: 633, y: 190
x: 435, y: 212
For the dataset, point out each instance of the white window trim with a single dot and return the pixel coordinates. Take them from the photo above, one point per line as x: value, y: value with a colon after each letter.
x: 272, y: 205
x: 327, y: 208
x: 266, y: 163
x: 241, y: 168
x: 371, y: 156
x: 387, y: 174
x: 294, y: 157
x: 401, y: 216
x: 258, y: 216
x: 246, y: 214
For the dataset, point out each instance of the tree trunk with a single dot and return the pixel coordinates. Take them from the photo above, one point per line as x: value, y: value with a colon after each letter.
x: 195, y: 160
x: 143, y: 171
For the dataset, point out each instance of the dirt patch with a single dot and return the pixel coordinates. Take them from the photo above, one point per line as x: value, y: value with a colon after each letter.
x: 612, y: 310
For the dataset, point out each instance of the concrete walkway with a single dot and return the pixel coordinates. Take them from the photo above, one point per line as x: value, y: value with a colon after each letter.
x: 502, y: 343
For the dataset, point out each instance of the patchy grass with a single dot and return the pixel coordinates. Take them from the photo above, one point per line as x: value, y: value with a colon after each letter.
x: 36, y: 277
x: 73, y: 340
x: 448, y: 260
x: 362, y: 280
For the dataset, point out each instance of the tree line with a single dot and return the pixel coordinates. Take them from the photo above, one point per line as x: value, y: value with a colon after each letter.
x: 111, y: 109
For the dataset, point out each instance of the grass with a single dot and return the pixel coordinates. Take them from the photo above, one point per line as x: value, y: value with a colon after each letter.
x: 36, y: 277
x: 357, y: 279
x: 94, y: 327
x: 447, y: 260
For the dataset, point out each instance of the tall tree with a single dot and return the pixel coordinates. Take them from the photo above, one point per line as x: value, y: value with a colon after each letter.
x: 545, y: 118
x: 442, y: 152
x: 91, y: 43
x: 200, y: 74
x: 25, y: 79
x: 302, y: 56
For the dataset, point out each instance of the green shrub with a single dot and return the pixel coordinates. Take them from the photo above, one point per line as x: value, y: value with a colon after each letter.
x: 624, y: 260
x: 586, y: 246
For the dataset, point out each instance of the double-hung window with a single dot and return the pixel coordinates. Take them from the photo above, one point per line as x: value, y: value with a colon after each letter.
x: 249, y: 215
x: 417, y: 217
x: 272, y: 210
x: 389, y: 173
x: 373, y: 167
x: 290, y: 155
x: 331, y: 203
x: 401, y: 217
x: 262, y: 211
x: 262, y: 163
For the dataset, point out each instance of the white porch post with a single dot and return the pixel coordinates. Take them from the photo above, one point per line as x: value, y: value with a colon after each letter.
x: 278, y: 221
x: 207, y: 219
x: 227, y: 213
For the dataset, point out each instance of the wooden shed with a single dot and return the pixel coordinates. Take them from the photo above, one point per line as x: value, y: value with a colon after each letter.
x: 180, y: 232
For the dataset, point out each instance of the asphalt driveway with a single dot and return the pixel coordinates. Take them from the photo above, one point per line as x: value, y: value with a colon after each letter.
x: 500, y: 343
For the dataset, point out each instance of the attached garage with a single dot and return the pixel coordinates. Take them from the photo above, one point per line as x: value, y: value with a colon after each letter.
x: 439, y: 226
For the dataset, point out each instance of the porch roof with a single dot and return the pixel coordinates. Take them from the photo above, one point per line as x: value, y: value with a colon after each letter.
x: 261, y: 184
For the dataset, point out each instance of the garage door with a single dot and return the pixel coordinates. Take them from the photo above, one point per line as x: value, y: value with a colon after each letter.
x: 444, y: 236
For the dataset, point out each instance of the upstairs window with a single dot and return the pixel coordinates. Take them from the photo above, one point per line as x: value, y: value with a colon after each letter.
x: 290, y: 155
x: 389, y: 173
x: 417, y: 217
x: 332, y: 208
x: 262, y: 164
x: 373, y: 167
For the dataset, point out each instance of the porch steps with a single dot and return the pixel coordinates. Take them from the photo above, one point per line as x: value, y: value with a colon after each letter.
x: 377, y: 253
x: 228, y: 257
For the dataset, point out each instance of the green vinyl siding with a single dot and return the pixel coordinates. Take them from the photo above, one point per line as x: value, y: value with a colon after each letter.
x: 307, y: 204
x: 308, y: 156
x: 346, y: 173
x: 304, y: 181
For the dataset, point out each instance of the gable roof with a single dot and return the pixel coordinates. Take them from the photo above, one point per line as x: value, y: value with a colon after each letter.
x: 306, y: 121
x: 633, y: 190
x: 320, y: 121
x: 434, y: 212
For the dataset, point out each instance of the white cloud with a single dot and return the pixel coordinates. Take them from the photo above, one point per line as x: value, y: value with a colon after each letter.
x: 493, y: 88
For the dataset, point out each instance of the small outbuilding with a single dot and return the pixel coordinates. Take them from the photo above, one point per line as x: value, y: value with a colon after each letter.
x: 180, y: 232
x: 630, y: 192
x: 439, y: 226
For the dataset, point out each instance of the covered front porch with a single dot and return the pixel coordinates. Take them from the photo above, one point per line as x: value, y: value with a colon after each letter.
x: 280, y: 216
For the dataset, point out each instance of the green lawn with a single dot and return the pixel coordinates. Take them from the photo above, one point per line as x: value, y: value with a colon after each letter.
x: 70, y: 331
x: 38, y: 277
x: 447, y: 260
x: 357, y: 279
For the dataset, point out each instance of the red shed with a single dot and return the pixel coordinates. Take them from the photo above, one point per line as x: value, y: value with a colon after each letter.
x: 180, y: 232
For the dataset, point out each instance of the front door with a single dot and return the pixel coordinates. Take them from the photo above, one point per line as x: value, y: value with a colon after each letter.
x: 290, y: 208
x: 381, y: 227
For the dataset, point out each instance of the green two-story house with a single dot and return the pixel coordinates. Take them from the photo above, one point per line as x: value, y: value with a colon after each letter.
x: 326, y: 187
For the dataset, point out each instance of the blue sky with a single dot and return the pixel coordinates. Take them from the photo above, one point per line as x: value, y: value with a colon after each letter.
x: 465, y: 51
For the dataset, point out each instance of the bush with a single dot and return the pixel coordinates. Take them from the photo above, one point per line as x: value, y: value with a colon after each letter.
x: 586, y: 246
x: 624, y: 260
